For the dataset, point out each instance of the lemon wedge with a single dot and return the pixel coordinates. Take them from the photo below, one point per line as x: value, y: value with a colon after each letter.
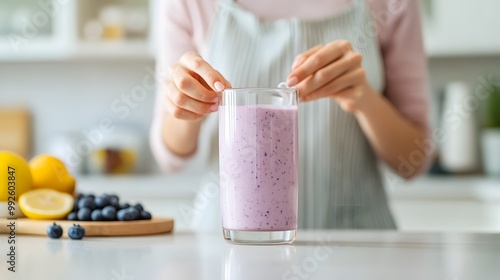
x: 45, y: 204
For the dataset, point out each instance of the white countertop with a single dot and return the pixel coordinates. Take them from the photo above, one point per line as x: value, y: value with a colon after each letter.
x: 479, y: 188
x: 315, y: 255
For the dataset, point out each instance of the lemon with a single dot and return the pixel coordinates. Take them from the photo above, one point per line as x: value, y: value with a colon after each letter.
x: 15, y: 176
x: 45, y: 204
x: 50, y: 173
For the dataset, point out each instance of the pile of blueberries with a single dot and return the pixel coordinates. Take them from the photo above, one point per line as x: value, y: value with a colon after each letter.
x: 75, y: 232
x: 106, y: 208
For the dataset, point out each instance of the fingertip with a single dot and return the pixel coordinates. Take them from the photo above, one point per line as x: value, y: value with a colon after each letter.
x: 219, y: 86
x: 297, y: 62
x: 292, y: 81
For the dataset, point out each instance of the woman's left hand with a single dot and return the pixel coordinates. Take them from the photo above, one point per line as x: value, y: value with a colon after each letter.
x: 333, y: 70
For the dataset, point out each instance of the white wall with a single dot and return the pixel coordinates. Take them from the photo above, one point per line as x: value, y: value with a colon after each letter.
x: 75, y: 95
x: 467, y: 69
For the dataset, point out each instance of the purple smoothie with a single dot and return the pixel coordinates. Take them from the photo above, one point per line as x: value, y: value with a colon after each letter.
x: 258, y: 167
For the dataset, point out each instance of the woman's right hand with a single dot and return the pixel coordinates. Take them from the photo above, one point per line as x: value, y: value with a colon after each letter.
x: 192, y: 88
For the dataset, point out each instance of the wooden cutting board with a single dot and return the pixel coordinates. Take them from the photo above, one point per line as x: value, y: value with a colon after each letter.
x: 15, y: 128
x: 116, y: 228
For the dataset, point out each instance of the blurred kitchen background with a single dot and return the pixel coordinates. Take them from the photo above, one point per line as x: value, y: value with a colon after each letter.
x: 77, y: 81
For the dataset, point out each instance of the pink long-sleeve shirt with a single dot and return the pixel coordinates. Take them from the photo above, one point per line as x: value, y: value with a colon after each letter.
x: 184, y: 25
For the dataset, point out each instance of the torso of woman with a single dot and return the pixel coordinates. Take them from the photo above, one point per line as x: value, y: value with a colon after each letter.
x: 340, y: 185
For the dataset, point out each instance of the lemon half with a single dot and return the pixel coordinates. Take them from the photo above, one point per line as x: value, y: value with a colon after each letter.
x: 45, y: 204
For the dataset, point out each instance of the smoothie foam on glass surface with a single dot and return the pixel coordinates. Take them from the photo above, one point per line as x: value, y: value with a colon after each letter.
x: 258, y: 166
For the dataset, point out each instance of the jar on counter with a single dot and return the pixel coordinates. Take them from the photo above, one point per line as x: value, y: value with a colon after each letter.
x: 119, y: 152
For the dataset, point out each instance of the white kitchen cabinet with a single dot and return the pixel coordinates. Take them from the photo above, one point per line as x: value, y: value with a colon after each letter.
x: 54, y: 30
x: 461, y: 27
x: 446, y: 215
x: 30, y: 30
x: 465, y: 204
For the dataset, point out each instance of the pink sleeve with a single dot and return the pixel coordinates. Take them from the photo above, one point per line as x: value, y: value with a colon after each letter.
x: 405, y: 63
x: 400, y: 36
x: 174, y: 39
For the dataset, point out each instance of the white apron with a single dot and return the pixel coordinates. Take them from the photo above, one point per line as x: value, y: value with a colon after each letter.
x: 340, y: 185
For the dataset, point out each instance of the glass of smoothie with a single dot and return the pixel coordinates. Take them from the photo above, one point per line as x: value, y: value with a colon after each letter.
x: 258, y: 155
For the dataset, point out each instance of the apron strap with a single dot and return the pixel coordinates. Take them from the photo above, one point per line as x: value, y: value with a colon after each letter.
x: 357, y: 3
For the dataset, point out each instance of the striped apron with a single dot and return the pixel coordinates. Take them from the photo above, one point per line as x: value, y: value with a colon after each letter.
x: 340, y: 184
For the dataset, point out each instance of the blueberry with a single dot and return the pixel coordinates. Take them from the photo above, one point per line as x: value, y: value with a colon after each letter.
x: 86, y: 202
x: 54, y: 231
x: 102, y: 201
x: 80, y: 196
x: 124, y: 206
x: 125, y: 215
x: 139, y: 207
x: 72, y: 216
x: 91, y: 196
x: 75, y: 205
x: 109, y: 213
x: 136, y: 214
x: 96, y: 215
x: 114, y: 201
x: 76, y: 232
x: 145, y: 215
x: 84, y: 214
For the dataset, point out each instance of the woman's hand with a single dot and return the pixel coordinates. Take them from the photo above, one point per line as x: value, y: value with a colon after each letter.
x: 192, y: 88
x: 333, y: 70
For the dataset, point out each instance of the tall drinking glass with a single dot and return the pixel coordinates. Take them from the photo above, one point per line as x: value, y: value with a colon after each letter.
x: 258, y: 135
